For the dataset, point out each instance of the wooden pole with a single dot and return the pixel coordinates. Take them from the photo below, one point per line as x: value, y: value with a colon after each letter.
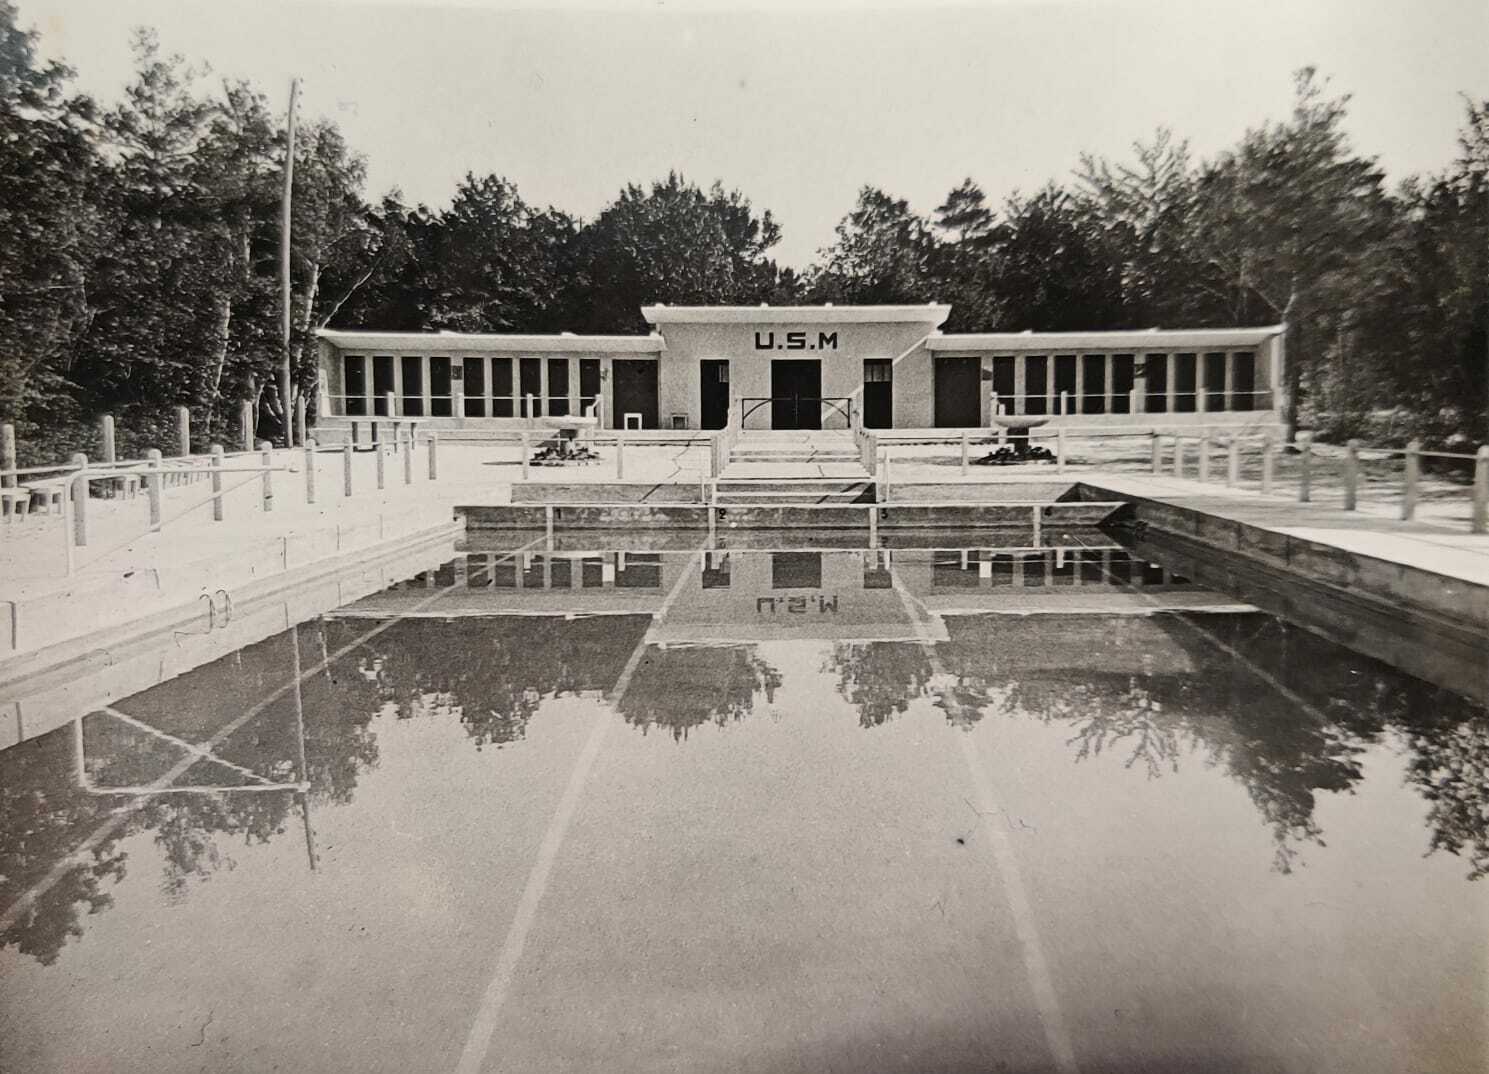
x: 245, y: 424
x: 183, y: 431
x: 286, y: 374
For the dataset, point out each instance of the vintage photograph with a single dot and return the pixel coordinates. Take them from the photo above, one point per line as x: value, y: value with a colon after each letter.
x: 643, y: 536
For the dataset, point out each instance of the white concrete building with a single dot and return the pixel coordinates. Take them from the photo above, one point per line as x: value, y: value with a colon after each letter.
x: 887, y: 367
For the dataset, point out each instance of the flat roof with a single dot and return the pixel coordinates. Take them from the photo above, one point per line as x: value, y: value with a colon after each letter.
x: 1143, y: 338
x: 469, y: 342
x: 932, y: 314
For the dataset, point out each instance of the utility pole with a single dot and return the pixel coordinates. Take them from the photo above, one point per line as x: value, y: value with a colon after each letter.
x: 286, y: 373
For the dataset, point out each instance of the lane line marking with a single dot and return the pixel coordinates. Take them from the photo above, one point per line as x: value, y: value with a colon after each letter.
x: 493, y: 999
x: 1005, y: 859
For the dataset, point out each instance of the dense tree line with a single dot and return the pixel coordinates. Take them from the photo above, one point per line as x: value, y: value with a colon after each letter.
x: 138, y: 253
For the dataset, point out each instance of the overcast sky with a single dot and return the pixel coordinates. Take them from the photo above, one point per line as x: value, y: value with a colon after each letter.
x: 799, y: 105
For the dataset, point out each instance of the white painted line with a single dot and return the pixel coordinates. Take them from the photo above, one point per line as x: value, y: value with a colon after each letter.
x: 483, y: 1028
x: 1036, y: 966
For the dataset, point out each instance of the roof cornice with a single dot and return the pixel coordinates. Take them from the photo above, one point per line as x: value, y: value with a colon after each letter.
x: 471, y: 342
x: 1069, y: 342
x: 932, y: 314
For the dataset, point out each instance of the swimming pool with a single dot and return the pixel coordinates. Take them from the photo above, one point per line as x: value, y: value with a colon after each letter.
x: 788, y: 808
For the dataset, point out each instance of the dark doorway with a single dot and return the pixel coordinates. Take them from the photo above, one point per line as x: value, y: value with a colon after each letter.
x: 635, y: 391
x: 878, y: 393
x: 713, y: 392
x: 530, y: 386
x: 1004, y: 384
x: 796, y: 393
x: 796, y: 570
x: 958, y: 393
x: 589, y: 385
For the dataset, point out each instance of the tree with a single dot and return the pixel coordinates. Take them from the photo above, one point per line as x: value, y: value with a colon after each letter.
x: 676, y: 244
x: 50, y: 225
x: 1053, y: 269
x: 1290, y: 216
x: 881, y: 254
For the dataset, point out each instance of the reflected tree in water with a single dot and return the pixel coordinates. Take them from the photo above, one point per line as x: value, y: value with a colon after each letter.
x: 880, y: 678
x: 683, y: 687
x: 493, y: 673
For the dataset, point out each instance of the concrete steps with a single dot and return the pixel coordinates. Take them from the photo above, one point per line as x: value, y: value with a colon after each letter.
x: 795, y: 448
x: 776, y: 492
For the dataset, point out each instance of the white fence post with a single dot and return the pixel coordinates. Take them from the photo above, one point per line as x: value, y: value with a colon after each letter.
x: 8, y: 455
x: 966, y: 460
x: 216, y: 452
x: 152, y: 487
x: 309, y: 471
x: 245, y: 424
x: 1204, y: 456
x: 183, y: 431
x: 433, y: 457
x: 1157, y: 453
x: 1060, y: 450
x: 1351, y: 474
x: 80, y: 503
x: 1269, y: 461
x: 524, y: 448
x: 266, y: 454
x: 346, y: 470
x: 1413, y: 475
x: 1178, y: 456
x: 1305, y: 467
x: 408, y: 457
x: 379, y: 449
x: 1480, y: 516
x: 1233, y: 462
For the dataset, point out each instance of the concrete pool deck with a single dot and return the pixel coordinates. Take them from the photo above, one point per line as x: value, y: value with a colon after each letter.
x: 196, y: 556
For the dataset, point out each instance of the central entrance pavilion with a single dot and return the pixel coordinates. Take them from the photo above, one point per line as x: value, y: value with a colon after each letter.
x: 805, y: 367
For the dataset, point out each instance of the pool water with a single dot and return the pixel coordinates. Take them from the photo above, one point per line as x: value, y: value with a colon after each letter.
x: 794, y: 809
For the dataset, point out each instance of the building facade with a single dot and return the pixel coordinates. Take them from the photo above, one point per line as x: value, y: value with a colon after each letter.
x: 805, y: 367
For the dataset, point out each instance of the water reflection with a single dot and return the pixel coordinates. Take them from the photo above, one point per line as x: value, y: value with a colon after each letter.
x: 251, y: 745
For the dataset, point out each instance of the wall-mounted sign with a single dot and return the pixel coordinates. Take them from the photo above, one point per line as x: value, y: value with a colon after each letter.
x: 796, y: 341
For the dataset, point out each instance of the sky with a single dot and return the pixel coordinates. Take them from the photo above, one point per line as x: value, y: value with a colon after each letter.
x: 799, y: 105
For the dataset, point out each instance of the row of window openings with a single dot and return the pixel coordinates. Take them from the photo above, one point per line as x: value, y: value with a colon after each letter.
x: 487, y: 386
x: 950, y: 568
x: 1082, y: 380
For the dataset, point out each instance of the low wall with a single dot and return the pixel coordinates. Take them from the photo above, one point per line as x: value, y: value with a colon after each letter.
x: 610, y: 492
x: 1431, y: 625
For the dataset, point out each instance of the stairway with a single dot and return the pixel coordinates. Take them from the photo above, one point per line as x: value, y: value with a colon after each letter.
x: 776, y: 492
x: 776, y: 467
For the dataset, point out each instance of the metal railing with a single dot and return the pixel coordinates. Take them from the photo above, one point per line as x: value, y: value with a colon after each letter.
x: 1068, y: 402
x: 789, y: 411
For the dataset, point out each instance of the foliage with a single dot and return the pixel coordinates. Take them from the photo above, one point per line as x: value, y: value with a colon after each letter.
x: 139, y: 254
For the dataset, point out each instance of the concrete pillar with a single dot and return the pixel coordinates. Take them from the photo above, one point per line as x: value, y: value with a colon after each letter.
x: 1412, y: 477
x: 1020, y: 384
x: 1178, y: 456
x: 408, y: 456
x: 1204, y: 455
x: 1229, y: 403
x: 1351, y: 474
x: 1168, y: 380
x: 1233, y: 462
x: 966, y: 454
x: 216, y: 452
x: 1060, y: 450
x: 80, y: 503
x: 1108, y: 368
x: 266, y: 459
x: 380, y: 454
x: 183, y: 431
x: 152, y: 487
x: 433, y: 458
x: 310, y: 471
x: 245, y: 424
x: 1157, y: 454
x: 346, y: 470
x: 106, y: 439
x: 1269, y: 461
x: 299, y: 418
x: 8, y: 455
x: 620, y: 456
x: 1480, y: 518
x: 1305, y: 467
x: 524, y: 448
